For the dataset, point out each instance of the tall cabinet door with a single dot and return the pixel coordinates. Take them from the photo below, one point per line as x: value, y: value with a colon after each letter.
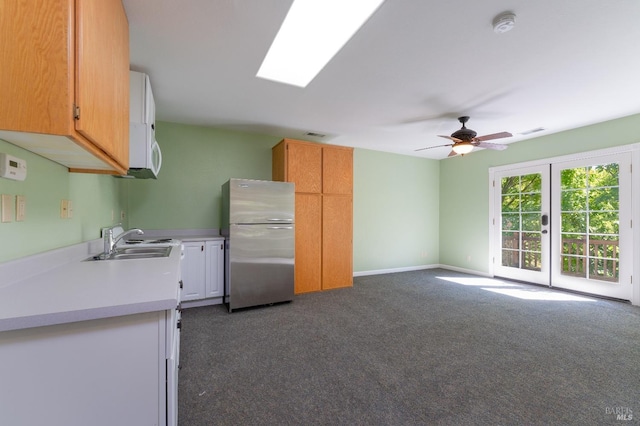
x: 337, y: 241
x: 308, y: 255
x: 304, y: 167
x: 337, y: 217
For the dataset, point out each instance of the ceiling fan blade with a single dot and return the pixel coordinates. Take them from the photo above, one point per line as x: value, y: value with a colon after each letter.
x: 488, y: 145
x: 429, y: 147
x: 452, y: 153
x: 451, y: 138
x: 493, y: 136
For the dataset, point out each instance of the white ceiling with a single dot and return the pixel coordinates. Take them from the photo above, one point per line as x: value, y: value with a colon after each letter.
x: 403, y: 79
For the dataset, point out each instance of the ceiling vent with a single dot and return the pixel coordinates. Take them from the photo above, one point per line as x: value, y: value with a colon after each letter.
x: 536, y: 130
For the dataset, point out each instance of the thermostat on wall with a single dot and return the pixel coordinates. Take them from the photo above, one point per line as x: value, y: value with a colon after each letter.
x: 12, y: 167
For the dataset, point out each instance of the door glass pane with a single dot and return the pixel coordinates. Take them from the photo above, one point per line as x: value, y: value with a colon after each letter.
x: 521, y: 212
x: 590, y: 222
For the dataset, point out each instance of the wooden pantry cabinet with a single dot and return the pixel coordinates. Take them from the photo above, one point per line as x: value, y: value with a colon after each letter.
x: 323, y: 177
x: 64, y: 81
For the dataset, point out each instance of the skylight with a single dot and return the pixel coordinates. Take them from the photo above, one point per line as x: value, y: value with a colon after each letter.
x: 311, y: 34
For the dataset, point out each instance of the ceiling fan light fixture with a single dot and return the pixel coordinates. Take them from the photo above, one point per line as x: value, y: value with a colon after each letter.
x: 504, y: 22
x: 462, y: 148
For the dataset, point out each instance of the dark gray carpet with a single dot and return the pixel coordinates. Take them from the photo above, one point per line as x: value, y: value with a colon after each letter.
x: 412, y: 349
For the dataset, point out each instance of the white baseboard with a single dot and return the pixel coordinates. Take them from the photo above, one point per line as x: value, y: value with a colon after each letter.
x: 466, y: 271
x: 421, y: 267
x: 394, y: 270
x: 201, y: 302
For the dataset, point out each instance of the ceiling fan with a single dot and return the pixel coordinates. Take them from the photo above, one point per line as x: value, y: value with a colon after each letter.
x: 464, y: 140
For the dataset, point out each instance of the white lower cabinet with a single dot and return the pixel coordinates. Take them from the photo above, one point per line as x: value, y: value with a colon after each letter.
x: 111, y: 371
x: 203, y: 270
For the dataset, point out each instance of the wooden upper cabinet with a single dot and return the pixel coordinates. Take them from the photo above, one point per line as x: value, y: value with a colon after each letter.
x: 337, y: 170
x: 103, y: 56
x: 64, y: 81
x: 299, y: 162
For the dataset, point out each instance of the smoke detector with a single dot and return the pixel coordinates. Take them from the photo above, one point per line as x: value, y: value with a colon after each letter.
x: 504, y: 22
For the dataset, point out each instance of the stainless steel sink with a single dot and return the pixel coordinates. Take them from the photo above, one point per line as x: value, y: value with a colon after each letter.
x: 122, y: 253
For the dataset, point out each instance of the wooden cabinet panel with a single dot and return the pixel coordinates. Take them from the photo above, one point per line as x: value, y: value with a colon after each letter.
x: 36, y: 78
x: 337, y: 170
x: 304, y: 167
x: 337, y: 241
x: 279, y: 162
x: 308, y: 261
x: 103, y: 56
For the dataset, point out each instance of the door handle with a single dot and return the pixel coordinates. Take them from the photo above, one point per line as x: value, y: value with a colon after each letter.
x: 545, y: 220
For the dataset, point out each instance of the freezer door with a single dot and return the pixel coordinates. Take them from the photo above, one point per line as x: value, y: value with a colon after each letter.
x: 261, y: 259
x: 260, y: 201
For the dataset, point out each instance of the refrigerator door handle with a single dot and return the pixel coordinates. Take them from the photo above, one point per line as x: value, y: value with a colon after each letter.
x: 279, y: 227
x: 279, y: 220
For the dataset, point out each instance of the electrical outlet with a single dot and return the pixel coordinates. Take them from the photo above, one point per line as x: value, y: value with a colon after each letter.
x: 122, y: 215
x: 21, y: 208
x: 468, y: 258
x: 7, y: 208
x: 64, y: 209
x: 69, y: 209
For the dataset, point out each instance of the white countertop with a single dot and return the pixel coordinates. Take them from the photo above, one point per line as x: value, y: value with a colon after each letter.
x: 83, y: 290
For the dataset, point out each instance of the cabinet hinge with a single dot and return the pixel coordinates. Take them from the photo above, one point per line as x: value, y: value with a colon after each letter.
x: 76, y: 112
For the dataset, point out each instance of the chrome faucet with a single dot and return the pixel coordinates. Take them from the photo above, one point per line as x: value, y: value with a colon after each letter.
x: 110, y: 242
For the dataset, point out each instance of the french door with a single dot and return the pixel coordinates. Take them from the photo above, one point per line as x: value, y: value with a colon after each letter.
x: 566, y: 225
x: 522, y: 206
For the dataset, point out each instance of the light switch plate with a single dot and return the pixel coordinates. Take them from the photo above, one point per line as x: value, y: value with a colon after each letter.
x: 7, y: 208
x: 21, y: 208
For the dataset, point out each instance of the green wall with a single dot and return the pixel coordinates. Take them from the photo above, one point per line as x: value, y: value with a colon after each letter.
x: 395, y: 211
x: 196, y: 161
x: 464, y: 188
x: 408, y: 211
x: 395, y: 201
x: 94, y: 198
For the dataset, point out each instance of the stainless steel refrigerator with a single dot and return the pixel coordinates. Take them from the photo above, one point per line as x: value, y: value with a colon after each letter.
x: 258, y: 223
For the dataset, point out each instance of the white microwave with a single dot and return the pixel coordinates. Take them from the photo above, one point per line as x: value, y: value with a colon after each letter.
x: 145, y: 157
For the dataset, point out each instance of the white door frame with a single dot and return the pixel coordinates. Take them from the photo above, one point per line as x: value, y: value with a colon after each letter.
x: 633, y: 149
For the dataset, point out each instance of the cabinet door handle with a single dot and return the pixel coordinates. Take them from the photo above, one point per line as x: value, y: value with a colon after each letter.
x: 201, y: 248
